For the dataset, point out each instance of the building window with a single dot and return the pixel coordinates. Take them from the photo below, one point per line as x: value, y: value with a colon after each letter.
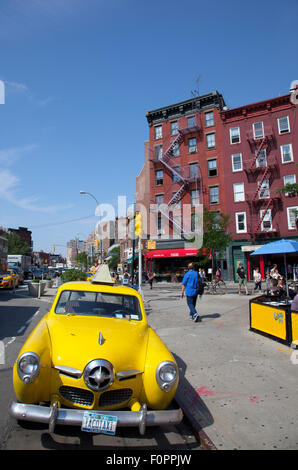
x: 210, y: 140
x: 175, y: 177
x: 237, y: 162
x: 238, y: 192
x: 292, y: 215
x: 289, y: 179
x: 258, y: 130
x: 261, y: 159
x: 174, y: 128
x: 234, y: 135
x: 158, y: 151
x: 283, y: 125
x: 195, y: 197
x: 159, y: 177
x: 209, y: 119
x: 158, y: 199
x: 192, y: 145
x: 158, y: 132
x: 212, y: 167
x: 286, y: 153
x: 176, y: 150
x: 193, y: 170
x: 264, y: 191
x: 214, y: 194
x: 266, y: 225
x: 191, y: 122
x: 240, y: 222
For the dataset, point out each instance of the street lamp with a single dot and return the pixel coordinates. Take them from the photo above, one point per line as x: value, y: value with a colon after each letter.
x: 85, y: 192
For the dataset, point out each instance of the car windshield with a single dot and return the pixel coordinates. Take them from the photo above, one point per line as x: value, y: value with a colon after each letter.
x: 101, y: 304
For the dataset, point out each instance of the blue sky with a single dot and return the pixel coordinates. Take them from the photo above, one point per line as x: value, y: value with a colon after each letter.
x: 80, y: 75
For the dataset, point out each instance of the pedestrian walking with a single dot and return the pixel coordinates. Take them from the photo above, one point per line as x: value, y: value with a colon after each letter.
x: 150, y: 279
x: 242, y: 279
x: 191, y: 289
x: 268, y: 282
x: 258, y: 280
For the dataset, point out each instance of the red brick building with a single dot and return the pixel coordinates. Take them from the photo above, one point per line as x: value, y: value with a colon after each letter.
x: 185, y: 169
x: 260, y: 148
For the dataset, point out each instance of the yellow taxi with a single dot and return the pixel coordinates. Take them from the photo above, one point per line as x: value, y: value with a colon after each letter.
x: 9, y: 279
x: 93, y: 361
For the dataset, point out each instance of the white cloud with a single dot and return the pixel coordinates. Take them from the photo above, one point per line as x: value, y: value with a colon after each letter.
x: 9, y: 155
x: 10, y: 183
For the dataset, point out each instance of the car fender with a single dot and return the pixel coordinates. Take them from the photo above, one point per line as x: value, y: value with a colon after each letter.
x: 157, y: 352
x: 38, y: 342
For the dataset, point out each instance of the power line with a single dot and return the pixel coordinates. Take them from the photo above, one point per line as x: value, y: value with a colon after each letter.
x: 51, y: 224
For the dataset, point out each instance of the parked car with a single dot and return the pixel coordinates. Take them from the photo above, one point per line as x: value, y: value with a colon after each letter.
x: 93, y: 361
x: 9, y: 279
x: 19, y: 272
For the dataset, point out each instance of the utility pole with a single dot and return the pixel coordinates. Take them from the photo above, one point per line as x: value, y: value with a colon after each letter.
x: 133, y: 243
x: 138, y: 232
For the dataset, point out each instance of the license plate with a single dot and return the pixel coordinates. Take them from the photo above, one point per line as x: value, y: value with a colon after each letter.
x: 97, y: 422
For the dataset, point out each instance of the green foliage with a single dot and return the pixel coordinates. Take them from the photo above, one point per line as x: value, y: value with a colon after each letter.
x: 73, y: 275
x: 290, y: 188
x: 215, y: 236
x: 115, y: 260
x: 82, y: 259
x: 16, y: 246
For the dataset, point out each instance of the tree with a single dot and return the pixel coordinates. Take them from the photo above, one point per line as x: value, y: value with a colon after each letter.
x: 215, y: 238
x: 115, y: 258
x: 16, y: 246
x: 82, y: 259
x: 73, y: 275
x: 290, y: 189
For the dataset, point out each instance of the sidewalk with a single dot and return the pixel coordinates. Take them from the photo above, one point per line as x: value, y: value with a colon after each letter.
x: 240, y: 386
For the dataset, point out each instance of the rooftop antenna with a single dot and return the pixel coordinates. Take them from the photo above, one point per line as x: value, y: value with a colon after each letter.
x: 196, y: 92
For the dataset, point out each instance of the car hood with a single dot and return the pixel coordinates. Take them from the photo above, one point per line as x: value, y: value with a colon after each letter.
x: 76, y: 341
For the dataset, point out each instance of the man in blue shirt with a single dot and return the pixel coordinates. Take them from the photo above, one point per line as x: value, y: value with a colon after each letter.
x: 190, y: 289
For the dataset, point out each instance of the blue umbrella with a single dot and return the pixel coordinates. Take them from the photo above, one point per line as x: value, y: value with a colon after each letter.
x: 278, y: 247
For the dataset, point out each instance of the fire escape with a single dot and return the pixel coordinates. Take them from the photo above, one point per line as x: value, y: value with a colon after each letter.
x: 181, y: 177
x: 260, y: 170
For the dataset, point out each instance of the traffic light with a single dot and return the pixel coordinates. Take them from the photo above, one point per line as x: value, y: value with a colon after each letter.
x: 138, y: 225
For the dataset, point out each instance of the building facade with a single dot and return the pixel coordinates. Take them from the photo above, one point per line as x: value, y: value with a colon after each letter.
x: 260, y: 148
x: 185, y: 169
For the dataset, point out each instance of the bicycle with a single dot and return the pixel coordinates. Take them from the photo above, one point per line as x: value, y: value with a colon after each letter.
x: 215, y: 287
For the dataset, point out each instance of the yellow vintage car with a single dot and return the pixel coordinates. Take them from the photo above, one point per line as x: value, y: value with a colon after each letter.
x: 93, y: 361
x: 9, y: 279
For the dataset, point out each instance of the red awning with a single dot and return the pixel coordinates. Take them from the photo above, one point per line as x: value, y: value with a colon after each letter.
x: 174, y: 253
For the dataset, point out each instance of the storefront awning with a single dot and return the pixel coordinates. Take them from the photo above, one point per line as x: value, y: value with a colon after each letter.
x: 175, y: 253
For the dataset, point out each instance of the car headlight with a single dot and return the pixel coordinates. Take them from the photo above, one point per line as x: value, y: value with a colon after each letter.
x: 166, y: 375
x: 28, y: 367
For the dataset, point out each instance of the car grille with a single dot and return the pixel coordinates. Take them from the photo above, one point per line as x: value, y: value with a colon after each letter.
x: 115, y: 397
x: 78, y: 396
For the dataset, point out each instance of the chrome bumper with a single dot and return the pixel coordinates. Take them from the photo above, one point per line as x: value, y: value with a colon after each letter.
x: 72, y: 417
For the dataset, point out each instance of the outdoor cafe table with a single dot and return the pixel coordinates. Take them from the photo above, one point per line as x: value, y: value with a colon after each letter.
x: 273, y: 318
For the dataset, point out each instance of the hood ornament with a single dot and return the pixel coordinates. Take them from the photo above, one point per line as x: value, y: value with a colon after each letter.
x: 101, y: 339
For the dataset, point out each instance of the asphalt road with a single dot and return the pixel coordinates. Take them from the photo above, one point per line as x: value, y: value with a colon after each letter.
x: 19, y: 314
